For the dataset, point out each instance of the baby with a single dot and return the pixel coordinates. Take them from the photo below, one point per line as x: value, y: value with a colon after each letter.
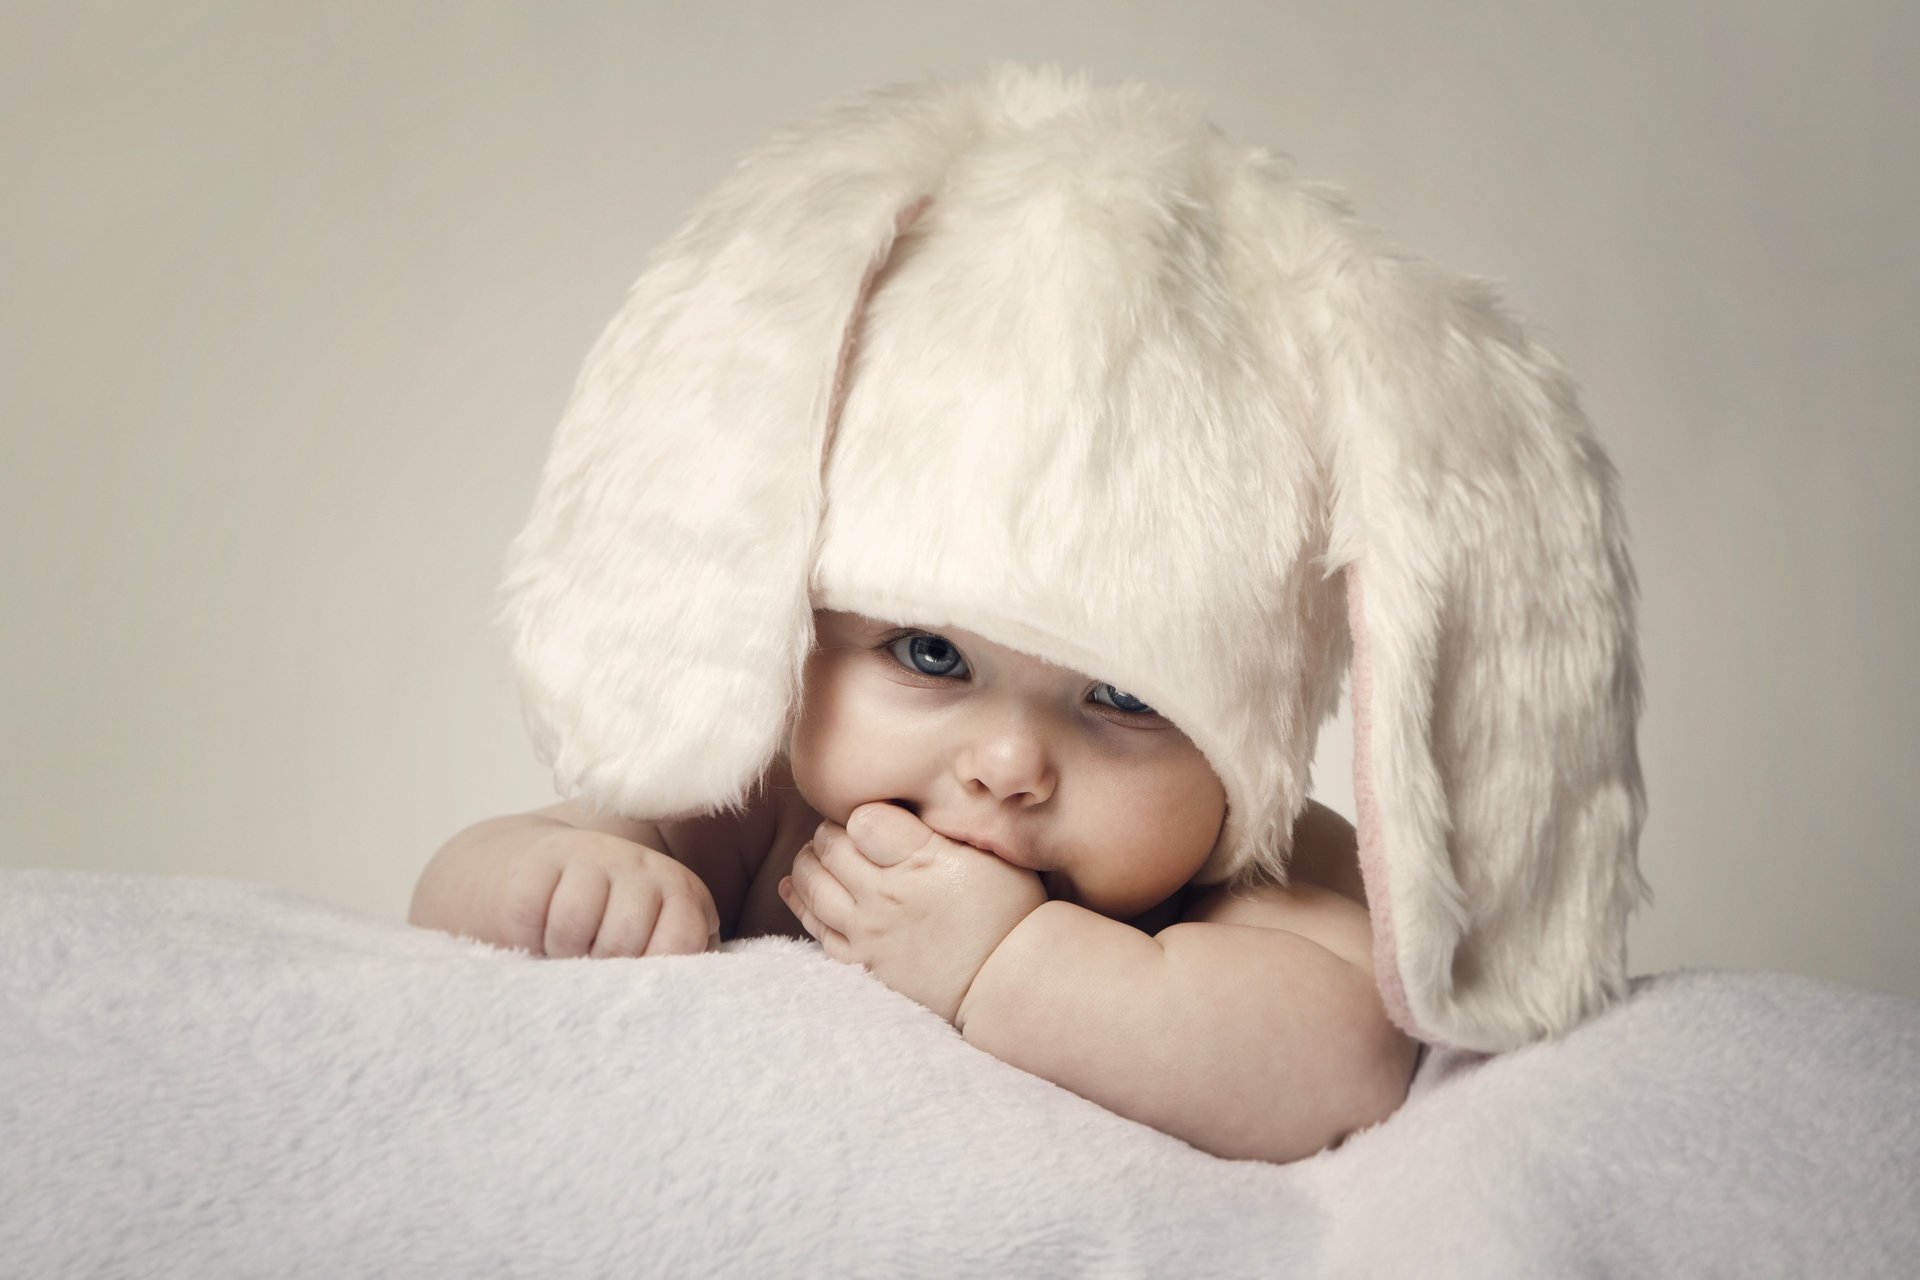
x: 950, y: 553
x: 1012, y: 844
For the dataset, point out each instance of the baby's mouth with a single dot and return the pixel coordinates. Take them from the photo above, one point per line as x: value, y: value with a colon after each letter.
x: 1055, y: 883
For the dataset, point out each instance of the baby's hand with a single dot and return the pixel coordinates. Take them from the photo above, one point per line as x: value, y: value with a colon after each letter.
x: 576, y: 893
x: 920, y: 911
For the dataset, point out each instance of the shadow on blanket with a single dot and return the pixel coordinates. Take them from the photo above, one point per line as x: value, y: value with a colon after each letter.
x: 203, y: 1077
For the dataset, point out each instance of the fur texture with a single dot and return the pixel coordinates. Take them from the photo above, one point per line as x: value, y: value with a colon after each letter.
x: 208, y: 1078
x: 1060, y: 364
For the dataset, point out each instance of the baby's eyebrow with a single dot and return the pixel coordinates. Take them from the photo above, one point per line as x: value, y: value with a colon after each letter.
x: 867, y: 631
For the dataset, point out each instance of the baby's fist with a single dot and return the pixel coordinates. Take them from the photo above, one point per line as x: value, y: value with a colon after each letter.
x: 577, y: 893
x: 926, y: 910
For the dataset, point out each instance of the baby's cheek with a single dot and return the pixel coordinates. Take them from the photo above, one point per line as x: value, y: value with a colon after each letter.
x: 849, y: 751
x: 821, y: 777
x: 1174, y: 827
x: 803, y: 758
x: 1191, y: 807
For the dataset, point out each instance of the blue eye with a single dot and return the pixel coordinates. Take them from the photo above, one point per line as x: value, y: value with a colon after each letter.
x: 1107, y: 695
x: 929, y: 655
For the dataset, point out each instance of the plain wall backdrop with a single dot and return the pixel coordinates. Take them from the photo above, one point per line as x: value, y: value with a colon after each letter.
x: 291, y: 297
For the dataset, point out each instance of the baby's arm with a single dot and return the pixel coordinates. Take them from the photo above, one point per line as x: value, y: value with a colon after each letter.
x: 562, y: 881
x: 1251, y: 1029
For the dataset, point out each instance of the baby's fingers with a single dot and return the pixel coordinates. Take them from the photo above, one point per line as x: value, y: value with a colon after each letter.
x: 687, y: 920
x: 820, y: 890
x: 887, y: 834
x: 579, y: 902
x: 526, y: 901
x: 831, y: 940
x: 632, y: 908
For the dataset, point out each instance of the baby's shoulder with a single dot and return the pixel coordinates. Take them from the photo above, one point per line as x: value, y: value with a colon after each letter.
x: 1332, y: 920
x: 1325, y: 897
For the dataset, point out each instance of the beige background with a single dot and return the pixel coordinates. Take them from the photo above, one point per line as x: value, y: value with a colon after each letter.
x: 291, y: 295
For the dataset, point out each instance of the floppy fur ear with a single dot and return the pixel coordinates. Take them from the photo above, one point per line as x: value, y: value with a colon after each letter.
x: 1496, y: 683
x: 656, y: 600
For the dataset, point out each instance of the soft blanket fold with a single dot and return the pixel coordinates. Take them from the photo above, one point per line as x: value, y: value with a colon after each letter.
x: 203, y: 1077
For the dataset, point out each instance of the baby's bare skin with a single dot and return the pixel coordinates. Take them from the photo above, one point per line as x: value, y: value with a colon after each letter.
x: 1317, y: 927
x: 1325, y: 857
x: 742, y: 880
x: 1016, y: 846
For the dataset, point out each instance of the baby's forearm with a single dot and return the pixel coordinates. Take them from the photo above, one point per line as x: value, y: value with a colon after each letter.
x: 1245, y: 1042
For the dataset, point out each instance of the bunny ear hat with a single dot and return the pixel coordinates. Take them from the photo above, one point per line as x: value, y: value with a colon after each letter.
x: 1059, y: 364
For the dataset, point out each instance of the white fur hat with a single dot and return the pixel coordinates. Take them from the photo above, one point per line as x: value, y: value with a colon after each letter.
x: 1059, y: 364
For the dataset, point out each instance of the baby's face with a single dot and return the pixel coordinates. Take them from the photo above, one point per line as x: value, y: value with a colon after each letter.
x: 1059, y: 772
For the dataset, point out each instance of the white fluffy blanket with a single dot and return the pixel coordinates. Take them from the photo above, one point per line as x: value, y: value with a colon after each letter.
x: 206, y: 1078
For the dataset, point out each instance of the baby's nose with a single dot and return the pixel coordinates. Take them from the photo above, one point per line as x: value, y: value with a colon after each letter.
x: 1011, y: 761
